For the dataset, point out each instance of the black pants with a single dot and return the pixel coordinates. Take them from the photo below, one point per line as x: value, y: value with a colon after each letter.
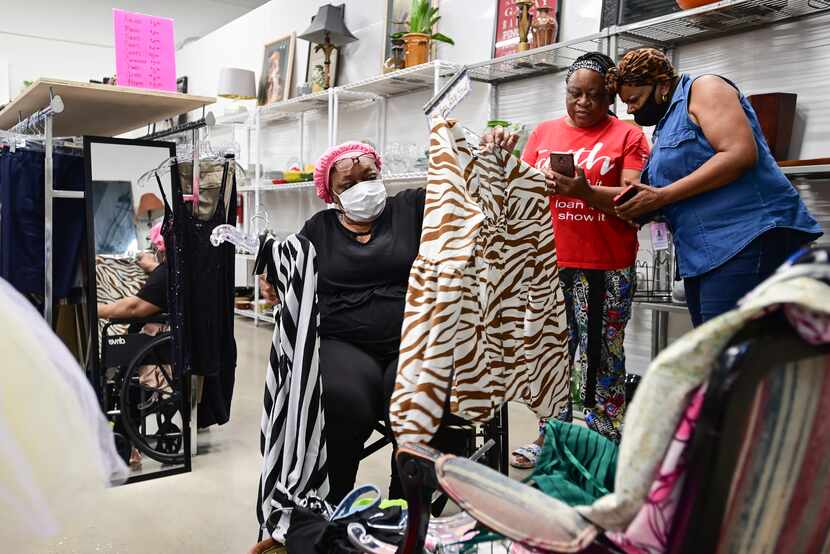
x: 357, y: 384
x: 357, y: 387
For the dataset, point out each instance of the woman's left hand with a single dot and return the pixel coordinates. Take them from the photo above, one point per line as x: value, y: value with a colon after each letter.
x: 576, y: 187
x: 647, y: 200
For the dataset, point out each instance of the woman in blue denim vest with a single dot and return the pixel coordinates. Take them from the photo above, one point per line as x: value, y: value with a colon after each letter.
x: 734, y: 216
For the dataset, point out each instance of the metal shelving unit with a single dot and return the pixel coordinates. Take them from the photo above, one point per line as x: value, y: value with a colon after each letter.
x: 727, y: 17
x: 265, y: 185
x: 539, y: 61
x: 404, y: 81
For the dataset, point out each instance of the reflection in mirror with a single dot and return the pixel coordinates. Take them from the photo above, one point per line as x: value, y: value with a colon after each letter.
x: 115, y: 228
x: 142, y: 393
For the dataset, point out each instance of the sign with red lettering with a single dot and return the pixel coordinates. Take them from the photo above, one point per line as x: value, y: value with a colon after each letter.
x: 506, y: 40
x: 145, y: 52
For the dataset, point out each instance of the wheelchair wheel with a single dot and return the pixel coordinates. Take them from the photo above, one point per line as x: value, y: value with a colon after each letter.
x: 151, y: 403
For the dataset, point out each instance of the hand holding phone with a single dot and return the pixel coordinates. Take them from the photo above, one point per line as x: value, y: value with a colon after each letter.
x: 627, y: 194
x: 563, y: 163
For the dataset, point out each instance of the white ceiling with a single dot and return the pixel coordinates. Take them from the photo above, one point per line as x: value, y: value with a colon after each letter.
x: 90, y: 21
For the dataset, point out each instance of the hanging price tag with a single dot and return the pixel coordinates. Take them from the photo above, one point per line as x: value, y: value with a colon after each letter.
x: 659, y: 236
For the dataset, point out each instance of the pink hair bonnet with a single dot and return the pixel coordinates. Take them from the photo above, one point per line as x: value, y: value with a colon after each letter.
x: 323, y: 170
x: 155, y: 237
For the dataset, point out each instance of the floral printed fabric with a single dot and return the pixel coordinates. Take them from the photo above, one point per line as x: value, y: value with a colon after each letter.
x: 609, y: 391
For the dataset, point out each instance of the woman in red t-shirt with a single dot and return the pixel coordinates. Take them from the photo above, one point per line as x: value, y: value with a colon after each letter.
x: 596, y: 250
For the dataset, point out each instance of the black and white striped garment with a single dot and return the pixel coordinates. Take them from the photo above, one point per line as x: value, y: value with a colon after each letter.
x: 292, y: 441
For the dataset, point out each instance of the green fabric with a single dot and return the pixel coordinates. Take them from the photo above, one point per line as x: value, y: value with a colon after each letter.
x: 576, y: 465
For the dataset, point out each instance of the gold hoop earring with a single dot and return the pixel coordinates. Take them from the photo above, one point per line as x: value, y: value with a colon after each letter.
x: 665, y: 97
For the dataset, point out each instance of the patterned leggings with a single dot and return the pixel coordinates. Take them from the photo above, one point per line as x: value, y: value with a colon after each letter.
x: 599, y: 306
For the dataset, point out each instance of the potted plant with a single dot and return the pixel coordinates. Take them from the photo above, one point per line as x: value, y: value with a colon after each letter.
x: 422, y: 19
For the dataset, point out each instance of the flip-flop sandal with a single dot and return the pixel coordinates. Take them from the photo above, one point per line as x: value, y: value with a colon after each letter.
x: 529, y: 452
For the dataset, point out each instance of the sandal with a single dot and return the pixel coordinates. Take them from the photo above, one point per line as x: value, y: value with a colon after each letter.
x: 529, y: 452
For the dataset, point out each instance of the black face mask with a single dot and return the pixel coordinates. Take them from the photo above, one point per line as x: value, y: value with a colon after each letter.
x: 651, y: 113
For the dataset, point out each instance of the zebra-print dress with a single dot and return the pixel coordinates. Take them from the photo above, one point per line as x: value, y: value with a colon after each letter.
x: 485, y: 317
x: 116, y: 277
x: 293, y: 437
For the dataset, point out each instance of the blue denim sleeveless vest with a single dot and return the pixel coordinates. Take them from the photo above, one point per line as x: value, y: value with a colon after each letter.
x: 710, y: 228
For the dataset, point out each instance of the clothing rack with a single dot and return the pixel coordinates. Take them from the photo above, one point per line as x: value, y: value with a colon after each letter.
x: 33, y: 122
x: 208, y: 120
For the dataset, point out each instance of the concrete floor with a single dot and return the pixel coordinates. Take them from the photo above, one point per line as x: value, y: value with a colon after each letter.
x: 212, y: 509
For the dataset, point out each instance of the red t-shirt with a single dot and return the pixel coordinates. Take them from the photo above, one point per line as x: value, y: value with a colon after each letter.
x: 588, y: 238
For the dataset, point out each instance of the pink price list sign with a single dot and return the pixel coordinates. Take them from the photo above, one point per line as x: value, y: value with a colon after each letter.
x: 145, y: 53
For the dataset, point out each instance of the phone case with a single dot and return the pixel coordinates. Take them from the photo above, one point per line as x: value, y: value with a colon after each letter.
x: 562, y: 163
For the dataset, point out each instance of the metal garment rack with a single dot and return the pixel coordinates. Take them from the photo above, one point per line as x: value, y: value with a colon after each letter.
x: 25, y: 126
x: 195, y: 127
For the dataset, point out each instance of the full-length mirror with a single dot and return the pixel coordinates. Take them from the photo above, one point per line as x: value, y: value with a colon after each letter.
x: 131, y: 356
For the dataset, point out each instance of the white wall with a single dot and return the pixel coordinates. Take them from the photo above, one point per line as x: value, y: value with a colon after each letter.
x: 74, y: 39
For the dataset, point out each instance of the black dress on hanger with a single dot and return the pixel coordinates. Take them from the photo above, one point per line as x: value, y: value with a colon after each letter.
x: 201, y: 292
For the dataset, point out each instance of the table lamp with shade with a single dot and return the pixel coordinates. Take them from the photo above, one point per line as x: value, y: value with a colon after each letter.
x: 237, y: 84
x: 328, y: 31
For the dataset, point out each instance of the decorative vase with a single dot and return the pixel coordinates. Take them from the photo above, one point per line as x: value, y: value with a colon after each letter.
x: 416, y: 49
x: 776, y: 114
x: 525, y: 20
x: 544, y: 27
x: 395, y: 61
x: 689, y: 4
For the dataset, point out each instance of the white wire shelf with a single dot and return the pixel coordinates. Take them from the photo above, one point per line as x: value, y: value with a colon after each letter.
x: 265, y: 185
x: 250, y: 314
x: 314, y: 102
x: 404, y: 81
x: 713, y: 20
x: 411, y: 178
x: 240, y: 118
x: 539, y: 61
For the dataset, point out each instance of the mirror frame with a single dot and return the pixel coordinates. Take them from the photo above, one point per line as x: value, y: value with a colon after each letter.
x: 93, y: 366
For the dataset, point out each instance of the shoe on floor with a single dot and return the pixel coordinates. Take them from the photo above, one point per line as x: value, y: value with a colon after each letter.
x: 601, y: 423
x: 525, y: 456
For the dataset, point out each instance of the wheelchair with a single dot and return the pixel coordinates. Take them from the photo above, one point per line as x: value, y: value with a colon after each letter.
x: 141, y: 393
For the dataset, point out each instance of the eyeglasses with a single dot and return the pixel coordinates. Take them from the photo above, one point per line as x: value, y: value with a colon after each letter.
x: 346, y: 164
x: 592, y: 97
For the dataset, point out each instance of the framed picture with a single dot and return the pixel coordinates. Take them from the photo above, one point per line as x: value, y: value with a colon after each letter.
x: 314, y: 67
x: 277, y: 70
x: 506, y: 31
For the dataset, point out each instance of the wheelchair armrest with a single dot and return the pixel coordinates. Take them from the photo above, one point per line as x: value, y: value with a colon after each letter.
x: 516, y: 510
x: 158, y: 318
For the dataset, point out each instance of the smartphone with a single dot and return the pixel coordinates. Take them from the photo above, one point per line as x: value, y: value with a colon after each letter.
x: 563, y: 163
x: 627, y: 194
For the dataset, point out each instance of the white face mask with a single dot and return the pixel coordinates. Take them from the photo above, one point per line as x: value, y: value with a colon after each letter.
x: 364, y: 202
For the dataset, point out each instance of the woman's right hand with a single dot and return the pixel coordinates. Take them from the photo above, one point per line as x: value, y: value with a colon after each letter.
x: 499, y: 137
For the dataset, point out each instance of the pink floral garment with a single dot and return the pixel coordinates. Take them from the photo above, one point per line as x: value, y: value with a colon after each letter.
x: 649, y: 532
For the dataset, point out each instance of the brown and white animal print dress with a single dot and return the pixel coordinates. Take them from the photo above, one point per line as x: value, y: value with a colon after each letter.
x: 485, y: 318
